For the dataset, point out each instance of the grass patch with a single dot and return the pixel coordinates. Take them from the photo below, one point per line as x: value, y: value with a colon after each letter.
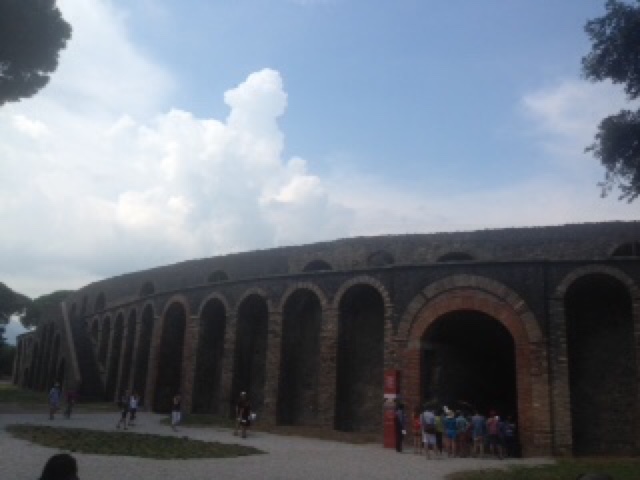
x: 127, y: 444
x: 10, y: 394
x: 564, y: 469
x: 322, y: 433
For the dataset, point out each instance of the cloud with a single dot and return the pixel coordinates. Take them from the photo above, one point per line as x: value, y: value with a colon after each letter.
x: 565, y: 117
x: 106, y: 184
x: 101, y: 176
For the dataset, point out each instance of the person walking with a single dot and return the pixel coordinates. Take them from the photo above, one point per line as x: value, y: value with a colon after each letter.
x: 54, y: 400
x: 124, y: 410
x: 176, y: 412
x: 70, y: 397
x: 243, y: 415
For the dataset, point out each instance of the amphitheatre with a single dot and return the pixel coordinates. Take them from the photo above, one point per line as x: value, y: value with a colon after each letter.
x: 542, y: 323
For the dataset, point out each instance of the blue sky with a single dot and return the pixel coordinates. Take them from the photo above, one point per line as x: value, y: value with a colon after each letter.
x: 177, y: 130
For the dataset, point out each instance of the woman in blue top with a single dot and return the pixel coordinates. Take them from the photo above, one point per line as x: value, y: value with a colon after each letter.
x: 450, y: 433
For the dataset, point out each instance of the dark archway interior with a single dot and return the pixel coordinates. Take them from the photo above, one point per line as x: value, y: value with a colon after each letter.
x: 298, y: 392
x: 602, y: 366
x: 104, y: 341
x: 249, y: 372
x: 142, y: 354
x: 206, y: 390
x: 52, y: 373
x: 169, y: 374
x: 360, y: 362
x: 128, y: 353
x: 468, y: 362
x: 114, y: 359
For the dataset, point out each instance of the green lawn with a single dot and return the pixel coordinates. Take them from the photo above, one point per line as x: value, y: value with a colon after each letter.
x: 127, y: 443
x: 10, y: 394
x: 565, y: 469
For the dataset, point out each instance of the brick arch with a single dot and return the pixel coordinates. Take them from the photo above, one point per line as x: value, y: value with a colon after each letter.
x: 489, y: 287
x: 619, y: 275
x: 561, y: 399
x: 509, y: 310
x: 182, y: 300
x: 255, y: 291
x: 319, y: 293
x: 363, y: 280
x: 213, y: 296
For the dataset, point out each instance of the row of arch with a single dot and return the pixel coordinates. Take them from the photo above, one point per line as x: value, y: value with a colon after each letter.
x: 309, y: 361
x: 39, y: 360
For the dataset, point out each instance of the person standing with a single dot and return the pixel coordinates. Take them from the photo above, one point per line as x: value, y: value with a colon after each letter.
x: 416, y: 427
x: 133, y: 407
x: 450, y: 433
x: 478, y: 433
x: 176, y: 412
x: 428, y: 421
x: 493, y: 431
x: 400, y: 424
x: 54, y: 400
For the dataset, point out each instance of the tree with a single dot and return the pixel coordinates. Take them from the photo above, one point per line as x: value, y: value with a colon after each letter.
x: 11, y: 303
x: 32, y: 33
x: 39, y: 308
x: 615, y: 55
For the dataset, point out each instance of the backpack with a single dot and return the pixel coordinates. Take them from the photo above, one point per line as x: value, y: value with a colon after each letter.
x: 430, y: 426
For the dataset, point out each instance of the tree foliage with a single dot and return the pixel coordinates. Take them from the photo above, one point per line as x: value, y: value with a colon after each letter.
x: 615, y: 56
x: 32, y: 33
x: 39, y: 308
x: 11, y: 303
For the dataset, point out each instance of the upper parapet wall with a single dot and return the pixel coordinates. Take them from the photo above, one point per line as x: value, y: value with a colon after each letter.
x: 593, y: 241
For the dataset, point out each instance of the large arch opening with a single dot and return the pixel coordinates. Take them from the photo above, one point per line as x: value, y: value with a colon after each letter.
x: 208, y: 375
x: 249, y: 373
x: 114, y: 358
x: 170, y: 352
x: 130, y: 337
x: 142, y: 354
x: 298, y: 389
x: 468, y: 362
x: 360, y: 360
x: 602, y: 365
x: 105, y: 333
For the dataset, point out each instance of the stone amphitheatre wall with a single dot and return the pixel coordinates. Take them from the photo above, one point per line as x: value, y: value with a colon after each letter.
x: 541, y: 323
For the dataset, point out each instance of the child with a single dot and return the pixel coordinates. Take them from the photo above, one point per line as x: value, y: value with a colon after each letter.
x: 417, y: 431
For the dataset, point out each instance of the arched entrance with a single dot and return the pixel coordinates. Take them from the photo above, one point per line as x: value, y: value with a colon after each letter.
x: 249, y: 370
x: 298, y: 390
x: 468, y: 362
x: 169, y: 375
x: 360, y: 360
x: 602, y: 365
x: 473, y: 302
x: 208, y: 375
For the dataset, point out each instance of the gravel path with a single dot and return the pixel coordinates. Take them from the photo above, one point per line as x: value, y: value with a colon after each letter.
x: 287, y: 457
